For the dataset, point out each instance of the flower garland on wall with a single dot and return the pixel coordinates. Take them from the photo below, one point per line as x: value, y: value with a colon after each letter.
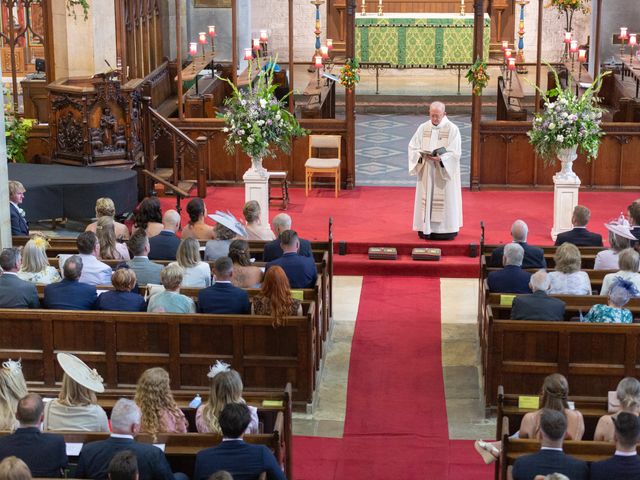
x: 478, y: 76
x: 71, y: 4
x: 349, y: 74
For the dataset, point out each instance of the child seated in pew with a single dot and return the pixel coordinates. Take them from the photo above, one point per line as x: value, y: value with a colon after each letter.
x: 628, y: 396
x: 225, y: 386
x: 160, y: 413
x: 621, y: 291
x: 555, y: 391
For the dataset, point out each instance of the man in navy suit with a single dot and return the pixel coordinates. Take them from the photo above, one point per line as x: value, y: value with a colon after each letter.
x: 242, y: 460
x: 301, y: 271
x: 511, y: 279
x: 551, y: 458
x: 272, y: 250
x: 538, y: 305
x: 19, y: 224
x: 44, y: 453
x: 533, y: 256
x: 125, y: 425
x: 165, y: 245
x: 634, y: 219
x: 15, y: 292
x: 579, y: 235
x: 70, y: 294
x: 222, y: 296
x: 625, y: 463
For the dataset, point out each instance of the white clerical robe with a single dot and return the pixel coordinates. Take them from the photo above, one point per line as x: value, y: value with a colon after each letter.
x: 445, y: 214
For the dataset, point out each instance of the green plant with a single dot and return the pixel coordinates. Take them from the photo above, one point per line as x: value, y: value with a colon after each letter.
x: 349, y: 76
x: 568, y: 121
x: 16, y: 131
x: 478, y: 76
x: 71, y: 4
x: 256, y: 121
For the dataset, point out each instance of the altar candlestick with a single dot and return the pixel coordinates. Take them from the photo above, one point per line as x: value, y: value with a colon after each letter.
x: 567, y: 37
x: 505, y: 45
x: 202, y: 38
x: 329, y: 43
x: 507, y: 53
x: 193, y: 49
x: 633, y: 42
x: 573, y: 46
x: 324, y: 51
x: 212, y: 36
x: 263, y: 36
x: 318, y: 65
x: 364, y: 8
x: 623, y: 37
x: 256, y: 44
x: 247, y: 54
x: 380, y: 8
x: 512, y: 64
x: 582, y: 55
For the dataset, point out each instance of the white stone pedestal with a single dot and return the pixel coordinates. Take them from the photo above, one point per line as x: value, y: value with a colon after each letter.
x: 256, y: 187
x: 565, y: 199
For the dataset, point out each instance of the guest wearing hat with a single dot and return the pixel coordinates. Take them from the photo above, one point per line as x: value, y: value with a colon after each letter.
x: 76, y: 408
x: 621, y: 291
x: 619, y: 238
x: 227, y: 229
x: 12, y: 389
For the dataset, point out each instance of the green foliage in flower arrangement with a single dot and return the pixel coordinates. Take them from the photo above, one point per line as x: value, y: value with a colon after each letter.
x: 71, y: 4
x: 568, y: 121
x: 256, y: 121
x: 16, y: 131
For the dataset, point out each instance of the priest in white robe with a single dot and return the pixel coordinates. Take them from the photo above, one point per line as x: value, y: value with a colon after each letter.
x: 437, y: 213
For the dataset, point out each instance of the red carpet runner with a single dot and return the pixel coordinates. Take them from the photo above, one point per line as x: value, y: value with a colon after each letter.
x: 396, y: 419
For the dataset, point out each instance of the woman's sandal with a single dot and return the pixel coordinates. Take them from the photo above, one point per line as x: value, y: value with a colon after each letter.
x: 487, y: 451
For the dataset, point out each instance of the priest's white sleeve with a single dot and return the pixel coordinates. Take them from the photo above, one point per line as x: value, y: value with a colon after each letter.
x: 451, y: 159
x: 415, y: 145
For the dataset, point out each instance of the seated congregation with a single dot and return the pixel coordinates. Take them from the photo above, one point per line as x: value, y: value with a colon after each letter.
x: 28, y: 421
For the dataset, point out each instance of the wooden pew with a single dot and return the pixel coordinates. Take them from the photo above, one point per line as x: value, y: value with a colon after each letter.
x: 161, y: 87
x: 121, y: 345
x: 510, y: 97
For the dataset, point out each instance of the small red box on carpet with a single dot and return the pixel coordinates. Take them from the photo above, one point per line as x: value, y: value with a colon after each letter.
x: 426, y: 253
x: 383, y: 253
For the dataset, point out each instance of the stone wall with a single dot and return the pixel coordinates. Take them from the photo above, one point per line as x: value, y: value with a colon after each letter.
x: 553, y: 28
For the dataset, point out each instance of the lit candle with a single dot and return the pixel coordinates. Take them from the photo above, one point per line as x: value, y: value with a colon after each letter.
x: 582, y: 55
x: 256, y: 44
x: 193, y: 48
x: 247, y: 54
x: 505, y: 45
x: 379, y: 3
x: 512, y: 63
x: 633, y: 39
x: 324, y: 51
x: 573, y: 46
x: 330, y: 43
x: 623, y: 33
x: 507, y: 53
x: 318, y: 61
x: 202, y: 37
x: 212, y: 31
x: 263, y: 36
x: 567, y: 37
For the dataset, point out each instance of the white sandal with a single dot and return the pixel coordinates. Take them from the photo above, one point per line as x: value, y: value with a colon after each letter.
x: 487, y: 451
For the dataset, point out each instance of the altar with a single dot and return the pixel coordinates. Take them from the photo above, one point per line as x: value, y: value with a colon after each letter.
x: 417, y: 40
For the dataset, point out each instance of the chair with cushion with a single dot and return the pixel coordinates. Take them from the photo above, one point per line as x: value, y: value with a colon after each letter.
x: 321, y: 166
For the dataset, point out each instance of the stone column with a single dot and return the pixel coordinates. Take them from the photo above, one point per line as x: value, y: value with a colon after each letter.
x: 256, y: 187
x: 5, y: 217
x: 565, y: 199
x: 82, y: 46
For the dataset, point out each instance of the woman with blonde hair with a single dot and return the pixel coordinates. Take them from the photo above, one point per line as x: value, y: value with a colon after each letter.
x: 160, y: 413
x: 275, y: 297
x: 171, y: 300
x: 12, y: 389
x: 76, y: 407
x: 628, y: 396
x: 225, y: 386
x: 106, y: 208
x: 197, y: 228
x: 567, y: 279
x: 35, y: 266
x: 196, y: 273
x: 555, y: 392
x: 110, y: 249
x: 12, y: 468
x: 255, y: 229
x: 245, y: 275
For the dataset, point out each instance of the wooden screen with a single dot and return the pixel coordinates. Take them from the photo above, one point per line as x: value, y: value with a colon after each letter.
x: 139, y: 36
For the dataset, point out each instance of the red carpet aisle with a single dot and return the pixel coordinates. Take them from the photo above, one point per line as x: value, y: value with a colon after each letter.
x: 382, y: 215
x: 396, y: 420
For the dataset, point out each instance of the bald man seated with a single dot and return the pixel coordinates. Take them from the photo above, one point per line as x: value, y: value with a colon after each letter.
x: 164, y: 246
x: 533, y: 256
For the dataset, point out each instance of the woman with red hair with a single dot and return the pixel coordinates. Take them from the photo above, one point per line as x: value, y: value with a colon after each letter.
x: 275, y: 297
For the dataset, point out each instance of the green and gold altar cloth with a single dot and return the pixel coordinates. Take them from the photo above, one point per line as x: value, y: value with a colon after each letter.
x: 417, y: 40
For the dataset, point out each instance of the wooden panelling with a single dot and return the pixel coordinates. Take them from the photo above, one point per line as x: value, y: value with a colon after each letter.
x: 508, y: 159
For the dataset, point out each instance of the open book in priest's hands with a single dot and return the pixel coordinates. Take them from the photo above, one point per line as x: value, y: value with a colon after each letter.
x: 437, y: 152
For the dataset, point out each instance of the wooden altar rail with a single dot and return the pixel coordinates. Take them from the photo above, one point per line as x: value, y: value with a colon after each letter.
x: 222, y: 167
x: 507, y: 159
x: 121, y: 345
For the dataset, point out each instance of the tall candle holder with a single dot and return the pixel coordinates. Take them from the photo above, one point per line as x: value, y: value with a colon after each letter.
x: 212, y: 36
x: 567, y: 40
x: 573, y: 49
x: 202, y: 39
x: 623, y: 37
x: 633, y: 43
x: 582, y: 58
x: 511, y: 67
x: 264, y: 43
x: 520, y: 55
x: 380, y: 12
x: 363, y: 10
x: 318, y: 29
x: 318, y: 65
x: 462, y: 8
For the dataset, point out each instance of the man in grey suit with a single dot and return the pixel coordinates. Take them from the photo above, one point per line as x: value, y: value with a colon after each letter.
x: 146, y: 270
x: 538, y: 305
x: 15, y: 292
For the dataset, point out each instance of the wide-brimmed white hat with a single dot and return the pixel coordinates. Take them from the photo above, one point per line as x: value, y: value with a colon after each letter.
x: 80, y: 372
x: 620, y: 227
x: 229, y: 221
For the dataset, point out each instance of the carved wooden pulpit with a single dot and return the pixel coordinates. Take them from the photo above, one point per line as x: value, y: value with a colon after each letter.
x: 95, y: 122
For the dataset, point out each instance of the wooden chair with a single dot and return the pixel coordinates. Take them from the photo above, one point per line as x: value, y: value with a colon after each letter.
x: 323, y: 167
